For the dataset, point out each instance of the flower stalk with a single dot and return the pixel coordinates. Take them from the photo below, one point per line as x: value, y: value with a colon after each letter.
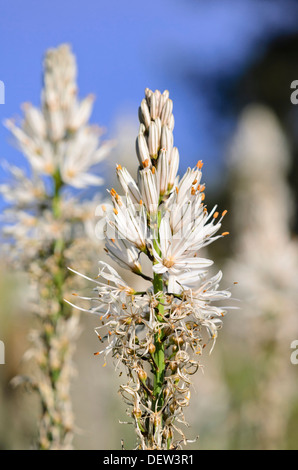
x: 157, y: 335
x: 48, y: 227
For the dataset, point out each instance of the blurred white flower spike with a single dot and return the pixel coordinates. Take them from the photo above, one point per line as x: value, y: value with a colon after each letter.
x: 57, y: 139
x: 47, y: 226
x: 158, y: 333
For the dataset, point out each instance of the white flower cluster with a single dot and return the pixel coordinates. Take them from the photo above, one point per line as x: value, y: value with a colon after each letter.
x: 45, y: 226
x: 60, y: 148
x: 157, y: 333
x: 57, y: 137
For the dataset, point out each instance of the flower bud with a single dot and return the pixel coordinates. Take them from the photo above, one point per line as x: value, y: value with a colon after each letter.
x: 153, y: 140
x: 144, y: 113
x: 142, y: 375
x: 142, y: 149
x: 137, y: 413
x: 166, y: 113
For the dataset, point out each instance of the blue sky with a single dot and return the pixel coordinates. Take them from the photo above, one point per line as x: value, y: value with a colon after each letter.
x: 124, y: 46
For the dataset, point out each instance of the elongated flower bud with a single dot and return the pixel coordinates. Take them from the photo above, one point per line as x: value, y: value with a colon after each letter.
x: 162, y: 172
x: 166, y: 112
x: 149, y: 190
x: 142, y: 149
x: 167, y: 139
x: 173, y: 167
x: 128, y: 184
x: 144, y: 114
x: 153, y: 140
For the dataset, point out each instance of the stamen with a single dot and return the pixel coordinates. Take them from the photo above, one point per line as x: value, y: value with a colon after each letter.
x: 225, y: 233
x: 224, y: 213
x: 168, y: 262
x: 215, y: 215
x: 200, y: 164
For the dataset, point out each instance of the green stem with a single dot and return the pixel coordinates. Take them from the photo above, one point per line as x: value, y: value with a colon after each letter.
x: 159, y: 354
x: 62, y: 312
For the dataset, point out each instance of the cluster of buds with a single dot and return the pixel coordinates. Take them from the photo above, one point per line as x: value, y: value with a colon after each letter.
x: 158, y: 334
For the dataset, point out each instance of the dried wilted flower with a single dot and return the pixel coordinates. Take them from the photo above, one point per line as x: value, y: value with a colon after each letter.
x: 46, y: 226
x: 158, y: 334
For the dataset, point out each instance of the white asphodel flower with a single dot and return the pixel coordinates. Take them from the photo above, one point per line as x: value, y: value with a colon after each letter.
x: 164, y: 218
x: 57, y: 137
x: 174, y: 253
x: 47, y: 225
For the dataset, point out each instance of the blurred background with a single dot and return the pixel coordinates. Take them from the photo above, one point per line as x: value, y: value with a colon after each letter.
x: 228, y: 66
